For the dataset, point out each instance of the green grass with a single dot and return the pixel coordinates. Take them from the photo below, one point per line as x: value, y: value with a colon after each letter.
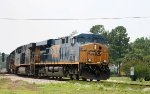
x: 128, y: 80
x: 73, y: 87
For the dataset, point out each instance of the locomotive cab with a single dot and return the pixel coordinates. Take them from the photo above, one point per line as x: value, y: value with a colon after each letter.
x: 93, y: 49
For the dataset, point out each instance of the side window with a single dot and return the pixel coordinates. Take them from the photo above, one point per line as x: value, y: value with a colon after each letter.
x: 73, y: 40
x: 47, y: 51
x: 67, y: 39
x: 63, y: 41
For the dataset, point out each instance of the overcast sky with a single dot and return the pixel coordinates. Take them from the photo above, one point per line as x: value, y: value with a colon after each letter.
x: 14, y: 33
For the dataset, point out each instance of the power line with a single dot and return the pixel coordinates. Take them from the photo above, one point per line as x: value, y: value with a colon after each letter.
x: 103, y: 18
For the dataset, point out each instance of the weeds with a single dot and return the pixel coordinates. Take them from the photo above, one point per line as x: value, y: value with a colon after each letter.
x: 71, y: 87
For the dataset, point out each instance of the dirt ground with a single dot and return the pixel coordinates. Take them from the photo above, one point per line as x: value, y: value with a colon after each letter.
x: 30, y: 80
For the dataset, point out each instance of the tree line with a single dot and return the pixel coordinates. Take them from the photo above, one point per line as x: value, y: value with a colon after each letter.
x: 125, y: 54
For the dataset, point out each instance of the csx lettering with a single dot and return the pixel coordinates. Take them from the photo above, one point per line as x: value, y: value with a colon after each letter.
x: 94, y: 53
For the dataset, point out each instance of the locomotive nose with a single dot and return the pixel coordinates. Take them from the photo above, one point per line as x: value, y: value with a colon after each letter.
x: 93, y: 54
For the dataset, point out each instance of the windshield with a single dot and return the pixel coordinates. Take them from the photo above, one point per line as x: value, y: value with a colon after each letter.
x: 81, y: 40
x: 84, y: 40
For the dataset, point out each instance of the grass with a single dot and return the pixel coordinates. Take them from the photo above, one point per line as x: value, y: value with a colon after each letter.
x: 128, y: 80
x: 16, y: 87
x: 73, y: 87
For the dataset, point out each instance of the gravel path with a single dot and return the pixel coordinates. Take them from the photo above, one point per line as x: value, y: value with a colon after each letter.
x: 31, y: 80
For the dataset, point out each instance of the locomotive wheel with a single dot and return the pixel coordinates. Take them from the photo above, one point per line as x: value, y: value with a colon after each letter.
x: 77, y: 77
x: 71, y: 76
x: 60, y: 78
x: 84, y: 79
x: 16, y: 70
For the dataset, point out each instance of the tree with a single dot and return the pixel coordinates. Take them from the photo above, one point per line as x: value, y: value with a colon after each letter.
x: 99, y: 29
x: 140, y: 50
x: 139, y: 57
x: 118, y: 45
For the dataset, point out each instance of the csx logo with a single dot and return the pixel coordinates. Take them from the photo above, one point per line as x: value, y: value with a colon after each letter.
x: 94, y: 53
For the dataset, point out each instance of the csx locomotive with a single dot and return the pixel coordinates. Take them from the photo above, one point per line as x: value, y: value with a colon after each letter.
x: 82, y: 56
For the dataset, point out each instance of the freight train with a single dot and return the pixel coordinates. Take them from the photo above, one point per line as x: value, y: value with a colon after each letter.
x: 80, y: 56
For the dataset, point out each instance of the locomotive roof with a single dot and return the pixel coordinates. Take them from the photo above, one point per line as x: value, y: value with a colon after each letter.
x: 91, y: 36
x: 30, y: 45
x: 43, y: 43
x: 49, y: 41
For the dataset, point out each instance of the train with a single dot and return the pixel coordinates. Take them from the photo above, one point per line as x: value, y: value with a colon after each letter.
x: 82, y: 56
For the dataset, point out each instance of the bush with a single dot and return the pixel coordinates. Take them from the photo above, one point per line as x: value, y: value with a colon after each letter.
x: 126, y: 67
x: 141, y: 70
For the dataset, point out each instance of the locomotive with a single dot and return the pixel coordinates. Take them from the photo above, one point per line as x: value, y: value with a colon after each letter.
x: 80, y: 56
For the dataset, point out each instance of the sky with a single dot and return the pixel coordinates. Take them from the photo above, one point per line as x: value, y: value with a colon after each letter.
x: 14, y: 33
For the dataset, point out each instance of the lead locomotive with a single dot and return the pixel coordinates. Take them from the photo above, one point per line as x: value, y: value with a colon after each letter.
x: 82, y: 56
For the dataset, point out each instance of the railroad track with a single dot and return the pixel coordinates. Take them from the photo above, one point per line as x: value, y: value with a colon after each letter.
x: 64, y: 80
x: 31, y: 79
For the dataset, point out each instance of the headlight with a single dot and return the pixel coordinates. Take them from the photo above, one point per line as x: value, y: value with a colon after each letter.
x: 104, y: 61
x: 89, y: 60
x: 94, y: 47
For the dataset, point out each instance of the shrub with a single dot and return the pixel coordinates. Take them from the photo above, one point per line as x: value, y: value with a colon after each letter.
x: 141, y: 70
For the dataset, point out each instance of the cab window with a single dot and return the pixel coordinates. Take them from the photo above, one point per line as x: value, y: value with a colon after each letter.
x: 81, y: 40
